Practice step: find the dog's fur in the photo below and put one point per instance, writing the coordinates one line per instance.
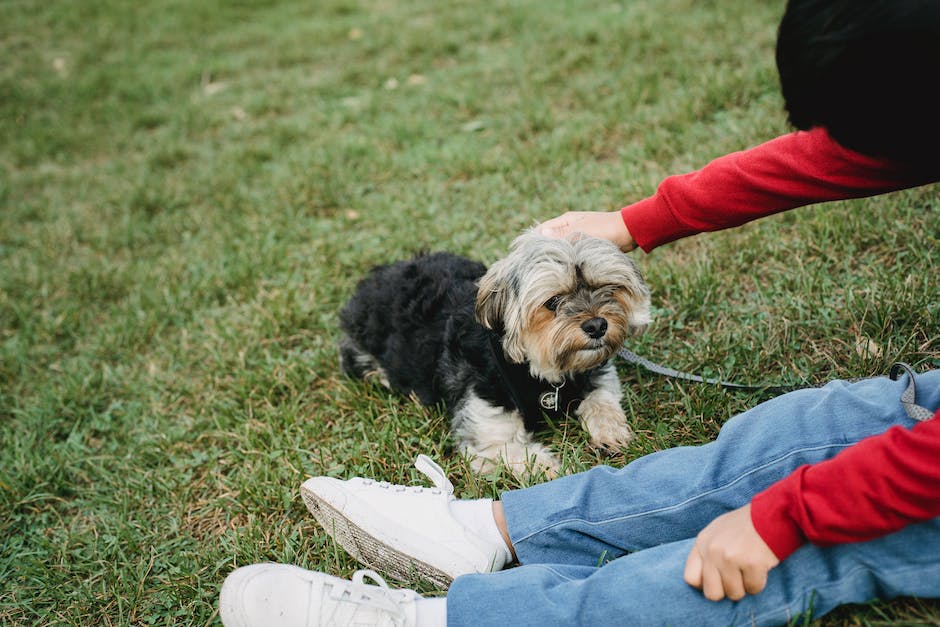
(489, 343)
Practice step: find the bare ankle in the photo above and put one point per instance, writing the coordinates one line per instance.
(500, 519)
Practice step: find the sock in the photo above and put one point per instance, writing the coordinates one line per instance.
(431, 612)
(477, 515)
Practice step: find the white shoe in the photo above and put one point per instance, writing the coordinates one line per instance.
(403, 531)
(268, 595)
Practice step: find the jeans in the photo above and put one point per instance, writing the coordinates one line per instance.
(608, 546)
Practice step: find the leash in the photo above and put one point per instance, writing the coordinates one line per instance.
(632, 358)
(908, 396)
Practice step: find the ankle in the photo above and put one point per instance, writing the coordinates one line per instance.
(499, 518)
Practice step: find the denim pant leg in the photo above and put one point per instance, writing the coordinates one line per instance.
(646, 587)
(671, 495)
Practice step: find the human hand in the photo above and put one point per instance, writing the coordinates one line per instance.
(604, 224)
(729, 558)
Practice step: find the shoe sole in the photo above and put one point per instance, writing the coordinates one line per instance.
(367, 549)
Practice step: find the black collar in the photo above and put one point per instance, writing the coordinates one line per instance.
(548, 401)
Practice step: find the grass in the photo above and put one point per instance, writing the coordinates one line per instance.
(189, 191)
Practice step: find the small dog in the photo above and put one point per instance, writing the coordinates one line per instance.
(503, 348)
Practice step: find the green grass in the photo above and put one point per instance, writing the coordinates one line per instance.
(190, 190)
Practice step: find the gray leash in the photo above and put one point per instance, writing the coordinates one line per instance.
(908, 397)
(632, 358)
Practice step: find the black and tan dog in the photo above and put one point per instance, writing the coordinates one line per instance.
(505, 347)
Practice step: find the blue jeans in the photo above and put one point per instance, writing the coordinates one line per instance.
(608, 546)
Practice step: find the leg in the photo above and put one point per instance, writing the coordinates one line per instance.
(643, 588)
(601, 514)
(646, 587)
(671, 495)
(358, 363)
(601, 414)
(488, 434)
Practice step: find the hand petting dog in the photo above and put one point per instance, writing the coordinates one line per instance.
(604, 224)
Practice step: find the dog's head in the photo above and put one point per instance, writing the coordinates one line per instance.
(562, 305)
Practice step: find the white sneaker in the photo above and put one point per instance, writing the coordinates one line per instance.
(403, 531)
(265, 595)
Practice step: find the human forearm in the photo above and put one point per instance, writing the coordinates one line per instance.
(871, 489)
(790, 171)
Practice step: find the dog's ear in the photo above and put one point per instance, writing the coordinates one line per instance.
(499, 288)
(497, 306)
(639, 314)
(638, 301)
(492, 297)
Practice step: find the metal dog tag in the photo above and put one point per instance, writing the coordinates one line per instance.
(549, 400)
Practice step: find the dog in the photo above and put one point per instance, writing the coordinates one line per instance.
(505, 348)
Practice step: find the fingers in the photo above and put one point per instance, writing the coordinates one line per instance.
(755, 580)
(714, 582)
(729, 558)
(603, 224)
(732, 582)
(556, 227)
(693, 568)
(729, 582)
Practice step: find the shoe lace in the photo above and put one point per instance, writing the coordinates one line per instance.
(377, 596)
(429, 469)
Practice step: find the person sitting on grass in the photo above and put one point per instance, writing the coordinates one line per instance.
(811, 500)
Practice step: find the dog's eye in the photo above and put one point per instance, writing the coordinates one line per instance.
(552, 303)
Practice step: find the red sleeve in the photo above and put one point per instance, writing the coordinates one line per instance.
(873, 488)
(793, 170)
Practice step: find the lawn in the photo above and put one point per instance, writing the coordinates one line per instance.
(189, 191)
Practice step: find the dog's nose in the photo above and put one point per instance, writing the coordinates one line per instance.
(595, 327)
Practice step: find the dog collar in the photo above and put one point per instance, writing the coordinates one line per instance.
(548, 400)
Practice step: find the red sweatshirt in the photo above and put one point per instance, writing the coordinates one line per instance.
(882, 483)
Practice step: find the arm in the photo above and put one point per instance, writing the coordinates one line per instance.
(793, 170)
(869, 490)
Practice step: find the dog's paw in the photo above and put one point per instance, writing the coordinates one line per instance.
(606, 424)
(521, 460)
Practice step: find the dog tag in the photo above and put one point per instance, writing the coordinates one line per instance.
(549, 400)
